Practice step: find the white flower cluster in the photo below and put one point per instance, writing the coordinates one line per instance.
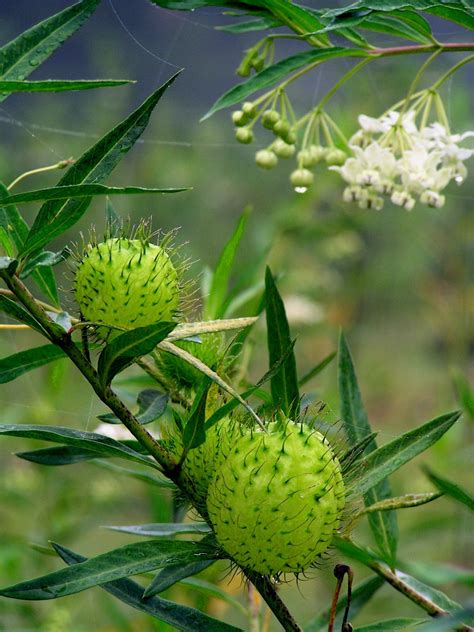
(394, 157)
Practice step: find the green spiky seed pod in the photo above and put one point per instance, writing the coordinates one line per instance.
(244, 135)
(282, 149)
(277, 499)
(127, 283)
(301, 178)
(210, 350)
(270, 118)
(266, 159)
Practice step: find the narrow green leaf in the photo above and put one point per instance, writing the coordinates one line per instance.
(350, 457)
(171, 575)
(123, 350)
(181, 617)
(113, 219)
(78, 191)
(16, 311)
(450, 488)
(145, 477)
(211, 590)
(361, 594)
(415, 20)
(465, 393)
(259, 24)
(276, 72)
(401, 502)
(449, 624)
(44, 259)
(57, 85)
(18, 229)
(284, 384)
(390, 457)
(162, 530)
(6, 243)
(464, 17)
(58, 455)
(390, 625)
(355, 551)
(151, 406)
(56, 216)
(90, 441)
(392, 26)
(434, 595)
(19, 363)
(194, 433)
(132, 559)
(318, 368)
(24, 54)
(439, 574)
(357, 427)
(215, 301)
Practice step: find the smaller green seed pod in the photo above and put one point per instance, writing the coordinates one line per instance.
(266, 159)
(270, 118)
(239, 118)
(282, 128)
(318, 153)
(305, 158)
(301, 178)
(249, 109)
(336, 157)
(282, 149)
(258, 63)
(244, 135)
(290, 137)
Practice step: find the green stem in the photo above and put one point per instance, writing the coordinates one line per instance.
(272, 599)
(62, 164)
(341, 82)
(416, 80)
(451, 71)
(62, 339)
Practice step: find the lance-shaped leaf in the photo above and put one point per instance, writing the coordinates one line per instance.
(17, 228)
(357, 427)
(58, 85)
(163, 530)
(56, 216)
(24, 54)
(391, 625)
(45, 259)
(361, 594)
(194, 434)
(132, 559)
(16, 311)
(180, 617)
(19, 363)
(58, 455)
(151, 406)
(188, 330)
(284, 384)
(400, 502)
(90, 441)
(317, 369)
(78, 191)
(276, 72)
(123, 350)
(171, 575)
(450, 488)
(215, 301)
(385, 460)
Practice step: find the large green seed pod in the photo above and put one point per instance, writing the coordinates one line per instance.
(277, 499)
(127, 283)
(210, 351)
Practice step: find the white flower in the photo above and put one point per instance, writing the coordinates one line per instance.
(432, 198)
(405, 121)
(419, 170)
(402, 198)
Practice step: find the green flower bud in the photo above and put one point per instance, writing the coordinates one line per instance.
(244, 135)
(266, 159)
(336, 157)
(318, 153)
(282, 149)
(270, 118)
(290, 137)
(239, 118)
(258, 63)
(305, 158)
(281, 128)
(249, 109)
(277, 499)
(301, 179)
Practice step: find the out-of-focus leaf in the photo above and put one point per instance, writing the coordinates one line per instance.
(171, 575)
(132, 559)
(357, 427)
(392, 26)
(211, 590)
(355, 551)
(391, 625)
(448, 624)
(65, 192)
(124, 349)
(19, 363)
(361, 594)
(318, 368)
(450, 488)
(284, 383)
(57, 85)
(278, 71)
(150, 479)
(390, 457)
(151, 406)
(440, 574)
(56, 216)
(58, 455)
(215, 301)
(465, 394)
(259, 24)
(162, 530)
(181, 617)
(24, 54)
(90, 441)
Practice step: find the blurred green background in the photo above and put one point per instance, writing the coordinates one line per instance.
(400, 284)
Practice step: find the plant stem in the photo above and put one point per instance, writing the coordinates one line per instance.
(62, 164)
(422, 48)
(341, 82)
(418, 598)
(270, 595)
(451, 71)
(62, 339)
